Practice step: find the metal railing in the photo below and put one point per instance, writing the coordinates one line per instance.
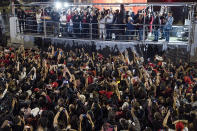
(103, 31)
(92, 31)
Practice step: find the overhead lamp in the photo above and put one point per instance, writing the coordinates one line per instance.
(58, 5)
(66, 4)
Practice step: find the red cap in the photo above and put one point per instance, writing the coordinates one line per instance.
(55, 84)
(36, 89)
(102, 92)
(52, 72)
(179, 126)
(109, 94)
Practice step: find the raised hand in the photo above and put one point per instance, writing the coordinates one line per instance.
(81, 118)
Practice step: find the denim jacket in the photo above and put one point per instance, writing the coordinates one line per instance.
(169, 22)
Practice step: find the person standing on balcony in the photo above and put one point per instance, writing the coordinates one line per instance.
(76, 23)
(56, 20)
(130, 28)
(2, 25)
(109, 20)
(39, 21)
(168, 26)
(85, 24)
(69, 23)
(21, 20)
(156, 25)
(93, 20)
(63, 21)
(162, 29)
(102, 30)
(139, 22)
(121, 20)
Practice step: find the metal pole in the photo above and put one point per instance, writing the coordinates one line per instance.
(45, 34)
(11, 7)
(91, 31)
(191, 14)
(190, 17)
(144, 27)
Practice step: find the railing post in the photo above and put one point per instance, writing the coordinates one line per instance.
(189, 36)
(45, 34)
(143, 34)
(45, 28)
(80, 28)
(191, 14)
(91, 31)
(144, 27)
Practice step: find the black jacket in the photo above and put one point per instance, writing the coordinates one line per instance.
(156, 23)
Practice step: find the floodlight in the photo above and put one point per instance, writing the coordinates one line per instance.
(66, 4)
(58, 5)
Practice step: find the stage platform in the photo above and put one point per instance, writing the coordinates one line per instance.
(100, 44)
(141, 48)
(173, 40)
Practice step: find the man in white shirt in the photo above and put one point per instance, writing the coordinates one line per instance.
(39, 21)
(63, 21)
(102, 29)
(109, 21)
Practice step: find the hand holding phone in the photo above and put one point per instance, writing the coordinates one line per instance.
(10, 122)
(91, 95)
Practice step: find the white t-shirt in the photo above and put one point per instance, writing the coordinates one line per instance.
(71, 22)
(38, 18)
(63, 19)
(185, 129)
(102, 23)
(110, 18)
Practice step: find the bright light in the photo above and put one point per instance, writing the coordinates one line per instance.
(66, 4)
(78, 9)
(58, 5)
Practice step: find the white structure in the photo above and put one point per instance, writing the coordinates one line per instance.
(14, 29)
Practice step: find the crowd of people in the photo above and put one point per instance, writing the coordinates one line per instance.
(75, 90)
(106, 24)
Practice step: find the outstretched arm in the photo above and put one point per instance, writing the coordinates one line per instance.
(166, 119)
